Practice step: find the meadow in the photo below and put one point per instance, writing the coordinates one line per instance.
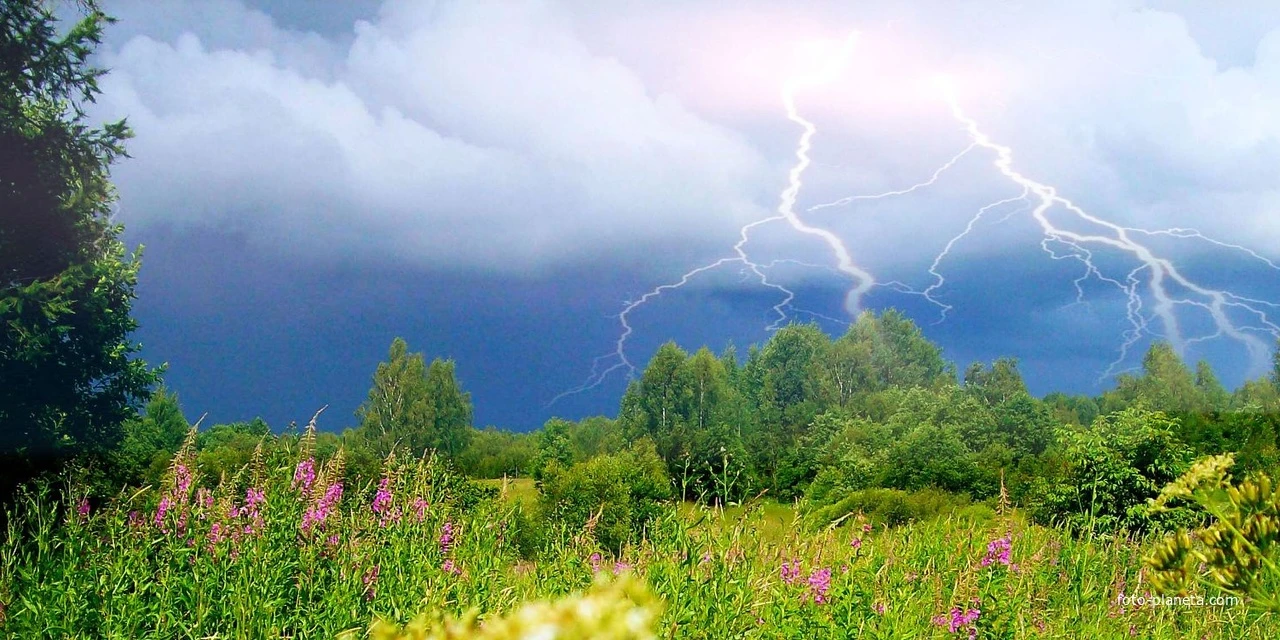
(284, 549)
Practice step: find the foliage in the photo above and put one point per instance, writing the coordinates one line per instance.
(613, 496)
(1113, 469)
(382, 554)
(1235, 553)
(415, 407)
(71, 381)
(612, 610)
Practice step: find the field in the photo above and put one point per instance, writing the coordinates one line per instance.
(290, 553)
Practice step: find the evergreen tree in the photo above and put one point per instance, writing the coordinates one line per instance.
(70, 378)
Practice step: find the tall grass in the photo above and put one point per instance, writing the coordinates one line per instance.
(267, 554)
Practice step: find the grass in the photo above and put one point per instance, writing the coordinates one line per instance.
(119, 571)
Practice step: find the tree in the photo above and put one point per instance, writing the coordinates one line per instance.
(71, 380)
(999, 383)
(1113, 468)
(451, 407)
(412, 407)
(151, 439)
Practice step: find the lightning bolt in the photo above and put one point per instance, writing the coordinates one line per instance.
(863, 280)
(939, 280)
(900, 192)
(1160, 272)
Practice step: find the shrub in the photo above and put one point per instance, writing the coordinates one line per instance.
(614, 496)
(1112, 469)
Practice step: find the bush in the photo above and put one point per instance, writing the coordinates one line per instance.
(614, 496)
(1113, 469)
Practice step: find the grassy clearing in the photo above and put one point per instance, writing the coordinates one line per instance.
(276, 557)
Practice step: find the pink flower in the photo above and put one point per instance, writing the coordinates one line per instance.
(382, 502)
(856, 543)
(819, 584)
(620, 567)
(450, 567)
(304, 474)
(960, 620)
(878, 608)
(446, 537)
(420, 507)
(866, 528)
(83, 509)
(182, 478)
(595, 562)
(998, 551)
(162, 510)
(790, 571)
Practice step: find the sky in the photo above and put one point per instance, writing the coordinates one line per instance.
(497, 182)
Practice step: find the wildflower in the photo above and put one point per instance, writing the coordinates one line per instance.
(316, 515)
(333, 540)
(181, 478)
(866, 528)
(215, 535)
(706, 557)
(204, 498)
(856, 543)
(382, 501)
(998, 551)
(960, 620)
(304, 474)
(878, 608)
(620, 567)
(134, 518)
(450, 567)
(790, 571)
(83, 509)
(446, 537)
(595, 562)
(420, 507)
(369, 579)
(819, 584)
(162, 509)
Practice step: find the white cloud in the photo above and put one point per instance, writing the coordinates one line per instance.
(523, 134)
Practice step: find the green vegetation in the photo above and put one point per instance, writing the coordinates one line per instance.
(818, 487)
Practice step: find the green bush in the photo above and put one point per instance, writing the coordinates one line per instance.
(612, 496)
(1113, 468)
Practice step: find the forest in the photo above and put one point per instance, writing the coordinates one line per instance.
(809, 486)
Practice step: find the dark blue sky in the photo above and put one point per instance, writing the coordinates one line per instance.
(493, 180)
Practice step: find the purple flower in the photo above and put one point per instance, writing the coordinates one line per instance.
(162, 509)
(998, 551)
(420, 507)
(182, 478)
(382, 501)
(866, 528)
(790, 571)
(83, 509)
(134, 518)
(595, 562)
(856, 543)
(819, 584)
(333, 540)
(304, 474)
(450, 567)
(959, 620)
(878, 608)
(446, 537)
(620, 567)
